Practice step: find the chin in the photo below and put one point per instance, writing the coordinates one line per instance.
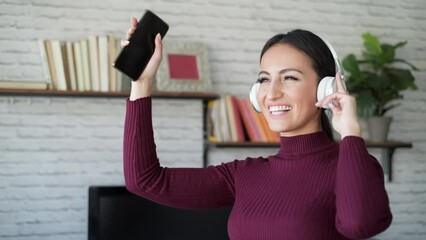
(278, 128)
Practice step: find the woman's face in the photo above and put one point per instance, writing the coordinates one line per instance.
(287, 92)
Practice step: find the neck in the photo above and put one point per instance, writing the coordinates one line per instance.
(304, 144)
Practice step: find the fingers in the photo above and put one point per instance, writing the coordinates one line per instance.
(133, 24)
(341, 87)
(332, 101)
(158, 52)
(124, 43)
(154, 63)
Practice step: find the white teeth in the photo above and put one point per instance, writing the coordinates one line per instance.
(279, 108)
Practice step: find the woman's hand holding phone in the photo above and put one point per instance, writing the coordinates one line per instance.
(142, 84)
(142, 87)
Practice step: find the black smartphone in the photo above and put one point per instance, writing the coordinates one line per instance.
(134, 57)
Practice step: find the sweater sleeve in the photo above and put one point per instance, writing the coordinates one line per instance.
(190, 188)
(362, 203)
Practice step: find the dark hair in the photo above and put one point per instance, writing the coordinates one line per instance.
(321, 56)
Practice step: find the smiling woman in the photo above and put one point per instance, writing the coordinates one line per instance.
(287, 92)
(313, 188)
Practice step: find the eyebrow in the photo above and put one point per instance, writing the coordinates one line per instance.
(282, 71)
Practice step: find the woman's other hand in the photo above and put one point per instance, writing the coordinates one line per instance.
(345, 118)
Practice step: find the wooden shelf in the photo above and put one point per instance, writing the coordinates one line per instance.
(184, 95)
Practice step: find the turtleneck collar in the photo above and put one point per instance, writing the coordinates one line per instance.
(304, 144)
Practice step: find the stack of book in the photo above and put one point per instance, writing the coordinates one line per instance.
(232, 119)
(83, 65)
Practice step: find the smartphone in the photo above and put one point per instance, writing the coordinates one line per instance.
(134, 57)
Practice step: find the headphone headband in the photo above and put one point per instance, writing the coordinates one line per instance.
(336, 58)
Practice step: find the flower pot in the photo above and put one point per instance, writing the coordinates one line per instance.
(378, 128)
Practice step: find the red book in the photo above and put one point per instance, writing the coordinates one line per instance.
(248, 125)
(238, 120)
(255, 123)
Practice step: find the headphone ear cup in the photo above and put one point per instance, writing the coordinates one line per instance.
(253, 97)
(326, 86)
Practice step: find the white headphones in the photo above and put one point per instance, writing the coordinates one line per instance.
(326, 86)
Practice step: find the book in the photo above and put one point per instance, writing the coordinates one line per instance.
(71, 66)
(112, 54)
(255, 130)
(211, 122)
(66, 67)
(23, 85)
(231, 117)
(238, 120)
(79, 66)
(86, 65)
(103, 63)
(225, 130)
(248, 121)
(44, 61)
(59, 65)
(254, 117)
(118, 74)
(93, 52)
(51, 63)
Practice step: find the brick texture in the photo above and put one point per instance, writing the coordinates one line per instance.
(52, 148)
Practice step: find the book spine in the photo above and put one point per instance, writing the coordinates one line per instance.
(238, 121)
(52, 70)
(79, 66)
(249, 121)
(103, 63)
(93, 53)
(71, 66)
(44, 61)
(86, 65)
(111, 58)
(59, 65)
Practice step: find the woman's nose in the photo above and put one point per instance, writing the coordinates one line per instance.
(274, 91)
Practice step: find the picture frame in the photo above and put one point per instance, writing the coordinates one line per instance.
(185, 68)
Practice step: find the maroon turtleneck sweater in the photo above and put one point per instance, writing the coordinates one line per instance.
(312, 188)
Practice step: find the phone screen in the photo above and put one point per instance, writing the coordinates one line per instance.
(134, 57)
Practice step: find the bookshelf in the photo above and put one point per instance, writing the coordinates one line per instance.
(181, 95)
(388, 148)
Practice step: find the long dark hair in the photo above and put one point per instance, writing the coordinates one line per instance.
(321, 56)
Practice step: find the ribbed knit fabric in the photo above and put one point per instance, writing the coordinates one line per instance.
(312, 188)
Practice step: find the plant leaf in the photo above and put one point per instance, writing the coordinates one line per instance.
(400, 44)
(409, 64)
(401, 79)
(372, 44)
(367, 105)
(387, 55)
(350, 64)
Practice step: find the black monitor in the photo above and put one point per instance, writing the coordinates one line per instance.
(117, 214)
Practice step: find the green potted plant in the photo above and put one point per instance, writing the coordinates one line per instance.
(377, 80)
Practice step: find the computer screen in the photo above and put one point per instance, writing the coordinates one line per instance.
(115, 213)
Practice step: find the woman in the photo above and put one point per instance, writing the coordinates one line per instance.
(313, 188)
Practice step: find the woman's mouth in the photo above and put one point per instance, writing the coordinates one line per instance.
(278, 110)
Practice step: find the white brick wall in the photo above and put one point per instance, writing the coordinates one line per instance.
(52, 148)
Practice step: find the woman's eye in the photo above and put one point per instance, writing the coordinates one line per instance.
(290, 78)
(262, 80)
